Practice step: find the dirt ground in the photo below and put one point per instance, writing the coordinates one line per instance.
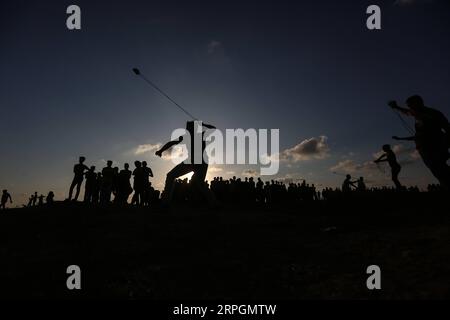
(309, 251)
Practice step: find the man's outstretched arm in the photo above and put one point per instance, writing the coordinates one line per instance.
(380, 159)
(168, 145)
(395, 106)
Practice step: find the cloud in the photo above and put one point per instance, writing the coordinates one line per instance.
(214, 169)
(144, 148)
(312, 148)
(350, 166)
(176, 154)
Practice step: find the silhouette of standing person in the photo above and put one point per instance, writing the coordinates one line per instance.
(391, 159)
(194, 163)
(5, 197)
(107, 183)
(146, 174)
(34, 199)
(30, 201)
(124, 187)
(138, 184)
(90, 185)
(432, 136)
(98, 188)
(41, 200)
(115, 184)
(50, 198)
(78, 170)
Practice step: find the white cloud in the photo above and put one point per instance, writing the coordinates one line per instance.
(144, 148)
(214, 169)
(312, 148)
(350, 166)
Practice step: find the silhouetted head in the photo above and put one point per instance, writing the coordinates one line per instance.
(386, 147)
(82, 159)
(109, 163)
(126, 166)
(116, 169)
(361, 178)
(137, 164)
(144, 163)
(5, 191)
(92, 168)
(348, 177)
(415, 102)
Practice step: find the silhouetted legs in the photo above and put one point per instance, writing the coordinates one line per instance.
(437, 163)
(105, 193)
(77, 181)
(197, 181)
(395, 172)
(178, 171)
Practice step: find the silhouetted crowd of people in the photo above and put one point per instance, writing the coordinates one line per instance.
(100, 187)
(248, 191)
(36, 200)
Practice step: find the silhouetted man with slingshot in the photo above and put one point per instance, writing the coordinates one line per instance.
(391, 159)
(432, 136)
(196, 162)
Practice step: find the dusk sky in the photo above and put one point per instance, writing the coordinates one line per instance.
(309, 68)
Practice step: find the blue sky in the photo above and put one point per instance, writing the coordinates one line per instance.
(309, 68)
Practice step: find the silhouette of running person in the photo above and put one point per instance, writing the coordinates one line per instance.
(5, 197)
(348, 184)
(195, 162)
(432, 136)
(78, 169)
(107, 183)
(391, 159)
